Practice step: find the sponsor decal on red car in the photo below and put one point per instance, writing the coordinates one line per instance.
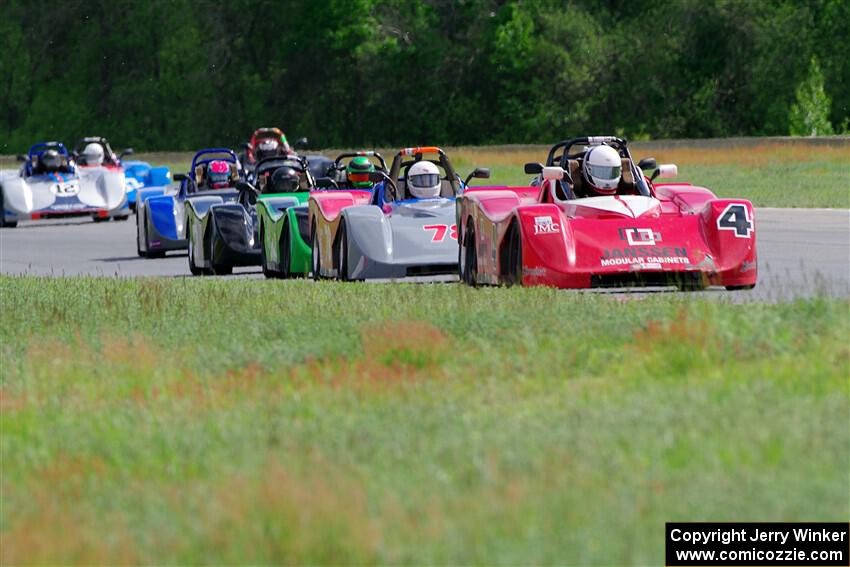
(545, 225)
(649, 255)
(640, 236)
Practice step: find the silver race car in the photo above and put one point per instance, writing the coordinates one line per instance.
(49, 184)
(406, 227)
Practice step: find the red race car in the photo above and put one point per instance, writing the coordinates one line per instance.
(267, 142)
(592, 219)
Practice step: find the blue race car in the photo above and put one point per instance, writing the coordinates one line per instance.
(141, 175)
(161, 216)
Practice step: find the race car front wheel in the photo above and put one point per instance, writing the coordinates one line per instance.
(469, 262)
(342, 252)
(285, 254)
(139, 250)
(315, 257)
(740, 287)
(148, 252)
(193, 267)
(3, 221)
(267, 272)
(512, 269)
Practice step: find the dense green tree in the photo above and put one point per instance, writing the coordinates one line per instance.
(810, 113)
(180, 74)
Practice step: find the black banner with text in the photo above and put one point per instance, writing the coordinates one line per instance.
(753, 543)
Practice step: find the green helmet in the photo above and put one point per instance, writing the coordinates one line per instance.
(358, 170)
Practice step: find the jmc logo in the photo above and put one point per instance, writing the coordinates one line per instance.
(545, 225)
(640, 236)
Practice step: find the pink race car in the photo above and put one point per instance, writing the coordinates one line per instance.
(592, 219)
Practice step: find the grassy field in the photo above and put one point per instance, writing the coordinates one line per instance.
(218, 421)
(794, 172)
(772, 174)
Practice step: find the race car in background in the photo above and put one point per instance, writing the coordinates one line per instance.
(49, 184)
(137, 174)
(161, 218)
(555, 234)
(393, 233)
(267, 142)
(284, 230)
(224, 234)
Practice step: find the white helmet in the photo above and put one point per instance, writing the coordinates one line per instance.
(267, 148)
(423, 180)
(602, 169)
(93, 154)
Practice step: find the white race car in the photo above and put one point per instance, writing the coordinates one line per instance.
(49, 184)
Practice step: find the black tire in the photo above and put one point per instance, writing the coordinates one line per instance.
(342, 252)
(193, 267)
(315, 255)
(121, 218)
(513, 272)
(151, 254)
(139, 250)
(222, 269)
(3, 222)
(96, 218)
(691, 282)
(218, 269)
(267, 272)
(740, 287)
(469, 266)
(285, 252)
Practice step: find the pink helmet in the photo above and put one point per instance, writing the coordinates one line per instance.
(218, 173)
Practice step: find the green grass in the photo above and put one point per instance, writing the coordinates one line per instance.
(793, 172)
(189, 420)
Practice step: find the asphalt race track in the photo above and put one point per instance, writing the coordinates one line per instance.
(801, 252)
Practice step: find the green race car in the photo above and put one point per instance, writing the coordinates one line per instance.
(284, 228)
(224, 235)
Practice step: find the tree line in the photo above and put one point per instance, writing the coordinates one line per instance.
(182, 74)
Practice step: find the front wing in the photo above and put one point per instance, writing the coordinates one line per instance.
(717, 246)
(384, 246)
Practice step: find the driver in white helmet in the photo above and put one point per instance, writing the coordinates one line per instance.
(601, 170)
(423, 180)
(93, 154)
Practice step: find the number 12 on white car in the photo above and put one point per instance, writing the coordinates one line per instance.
(71, 188)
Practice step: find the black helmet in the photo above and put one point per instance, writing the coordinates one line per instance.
(283, 180)
(51, 160)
